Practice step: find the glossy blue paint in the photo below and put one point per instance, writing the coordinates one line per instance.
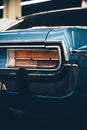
(80, 38)
(3, 58)
(73, 37)
(31, 35)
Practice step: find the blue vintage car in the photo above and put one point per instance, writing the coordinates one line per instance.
(44, 66)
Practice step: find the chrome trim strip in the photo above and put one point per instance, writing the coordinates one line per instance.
(65, 51)
(17, 46)
(78, 52)
(34, 74)
(20, 41)
(74, 65)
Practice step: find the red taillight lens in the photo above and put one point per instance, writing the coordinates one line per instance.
(33, 58)
(36, 63)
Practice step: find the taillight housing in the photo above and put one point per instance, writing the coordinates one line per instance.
(34, 58)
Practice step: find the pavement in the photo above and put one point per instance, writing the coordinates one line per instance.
(60, 121)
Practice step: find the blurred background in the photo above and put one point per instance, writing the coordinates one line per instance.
(33, 6)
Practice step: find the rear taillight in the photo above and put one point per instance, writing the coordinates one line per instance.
(47, 58)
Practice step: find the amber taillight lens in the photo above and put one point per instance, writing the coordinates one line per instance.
(33, 58)
(42, 54)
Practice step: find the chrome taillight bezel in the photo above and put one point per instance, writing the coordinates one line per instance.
(35, 47)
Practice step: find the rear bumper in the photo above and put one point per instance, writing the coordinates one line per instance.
(59, 85)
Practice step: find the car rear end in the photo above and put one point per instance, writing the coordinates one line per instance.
(35, 67)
